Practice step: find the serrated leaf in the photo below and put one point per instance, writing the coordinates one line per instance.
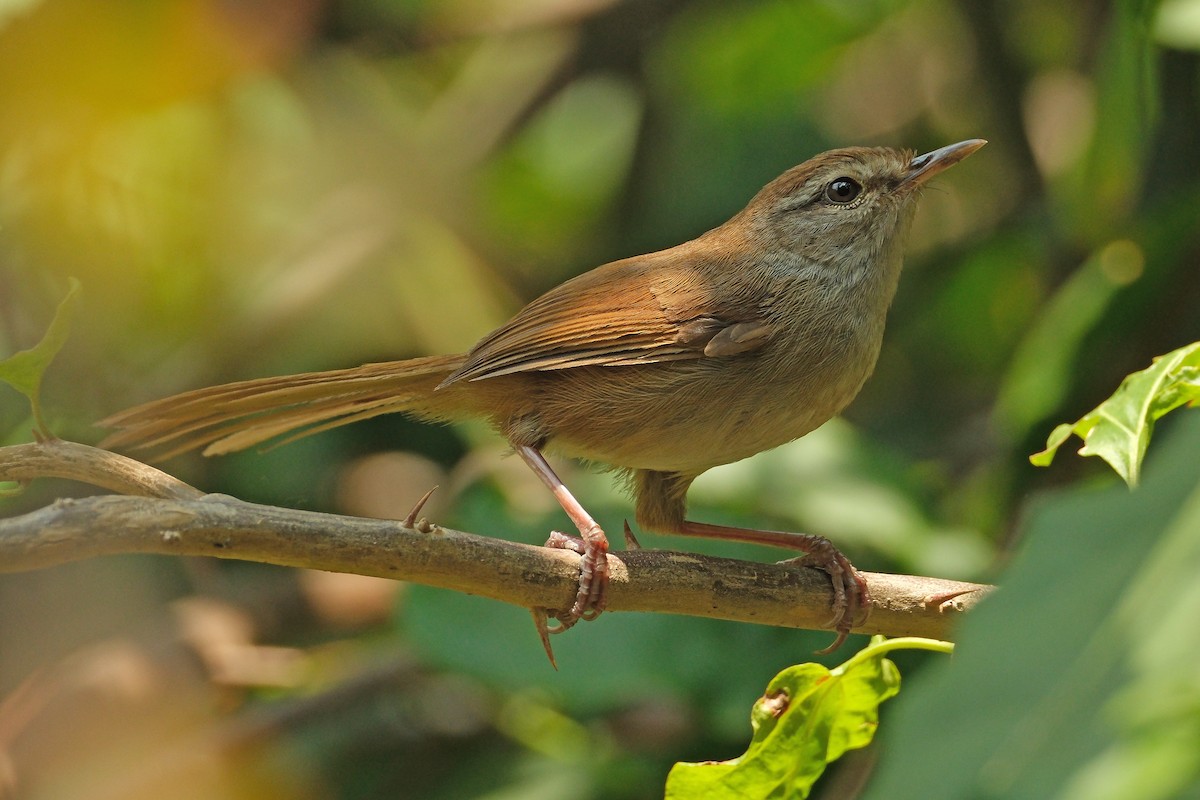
(1119, 429)
(808, 717)
(24, 369)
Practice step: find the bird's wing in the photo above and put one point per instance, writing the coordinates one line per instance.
(636, 311)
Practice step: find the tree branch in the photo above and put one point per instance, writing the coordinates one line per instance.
(171, 518)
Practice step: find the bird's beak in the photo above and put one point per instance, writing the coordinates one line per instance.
(924, 167)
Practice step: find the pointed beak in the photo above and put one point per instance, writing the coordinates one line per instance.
(924, 167)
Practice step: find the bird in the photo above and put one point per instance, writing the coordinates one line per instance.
(660, 366)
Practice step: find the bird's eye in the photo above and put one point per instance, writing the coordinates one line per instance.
(843, 190)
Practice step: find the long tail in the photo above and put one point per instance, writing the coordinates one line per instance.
(234, 416)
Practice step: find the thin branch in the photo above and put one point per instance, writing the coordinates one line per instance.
(55, 458)
(172, 518)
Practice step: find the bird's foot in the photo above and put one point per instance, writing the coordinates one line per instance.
(590, 597)
(851, 596)
(593, 576)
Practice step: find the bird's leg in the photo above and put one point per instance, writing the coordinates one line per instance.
(851, 598)
(592, 544)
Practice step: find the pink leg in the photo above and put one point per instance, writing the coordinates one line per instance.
(592, 544)
(851, 597)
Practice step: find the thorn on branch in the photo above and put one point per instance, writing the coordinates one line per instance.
(941, 601)
(423, 525)
(631, 542)
(540, 621)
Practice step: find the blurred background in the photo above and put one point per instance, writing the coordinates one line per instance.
(249, 189)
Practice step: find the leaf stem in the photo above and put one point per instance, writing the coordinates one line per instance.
(880, 645)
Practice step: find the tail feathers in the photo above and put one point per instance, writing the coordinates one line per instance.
(235, 416)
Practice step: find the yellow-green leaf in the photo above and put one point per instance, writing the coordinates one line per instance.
(1118, 430)
(23, 370)
(808, 717)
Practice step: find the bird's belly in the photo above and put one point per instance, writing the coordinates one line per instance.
(689, 416)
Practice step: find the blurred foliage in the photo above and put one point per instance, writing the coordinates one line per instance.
(25, 369)
(286, 185)
(1088, 663)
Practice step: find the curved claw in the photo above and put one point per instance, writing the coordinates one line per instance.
(824, 651)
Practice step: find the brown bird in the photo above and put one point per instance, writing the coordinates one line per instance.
(662, 365)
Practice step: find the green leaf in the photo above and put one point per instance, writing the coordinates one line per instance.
(808, 717)
(1118, 430)
(23, 370)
